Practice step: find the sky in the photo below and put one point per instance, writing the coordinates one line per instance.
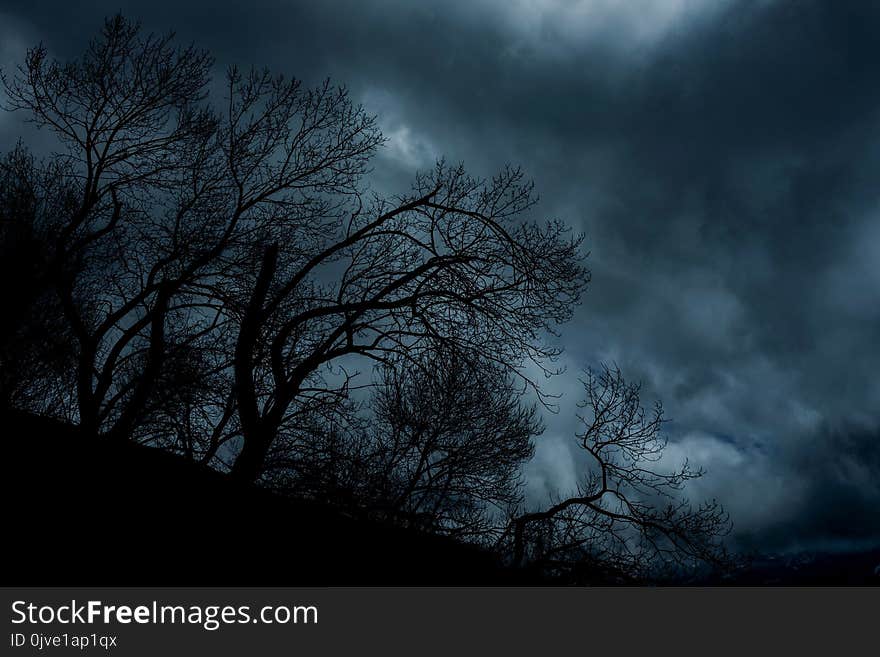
(721, 158)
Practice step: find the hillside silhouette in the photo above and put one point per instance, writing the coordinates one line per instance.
(97, 513)
(91, 512)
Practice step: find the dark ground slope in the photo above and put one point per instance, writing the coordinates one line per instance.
(77, 512)
(86, 513)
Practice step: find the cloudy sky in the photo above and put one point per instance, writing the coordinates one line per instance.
(722, 159)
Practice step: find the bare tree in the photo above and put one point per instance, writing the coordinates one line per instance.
(441, 446)
(172, 196)
(239, 245)
(627, 516)
(126, 119)
(451, 438)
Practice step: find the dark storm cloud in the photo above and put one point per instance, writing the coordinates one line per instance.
(722, 160)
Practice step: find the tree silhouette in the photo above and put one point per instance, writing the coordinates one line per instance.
(206, 274)
(627, 516)
(440, 445)
(195, 220)
(450, 438)
(126, 117)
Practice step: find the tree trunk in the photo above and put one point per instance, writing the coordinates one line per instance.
(257, 433)
(86, 402)
(250, 461)
(127, 422)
